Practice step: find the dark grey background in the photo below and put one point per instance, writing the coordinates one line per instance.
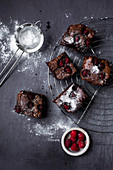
(18, 149)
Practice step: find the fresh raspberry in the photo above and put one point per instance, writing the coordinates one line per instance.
(77, 38)
(74, 147)
(73, 140)
(101, 66)
(73, 134)
(30, 104)
(72, 94)
(67, 60)
(68, 143)
(66, 106)
(88, 43)
(81, 136)
(68, 70)
(61, 63)
(86, 32)
(81, 144)
(102, 76)
(18, 110)
(85, 73)
(30, 96)
(95, 61)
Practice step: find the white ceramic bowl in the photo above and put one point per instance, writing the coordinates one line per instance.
(82, 150)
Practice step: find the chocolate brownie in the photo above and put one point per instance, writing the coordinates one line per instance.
(31, 104)
(78, 37)
(95, 70)
(62, 67)
(72, 98)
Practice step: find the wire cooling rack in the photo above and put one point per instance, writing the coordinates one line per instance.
(98, 114)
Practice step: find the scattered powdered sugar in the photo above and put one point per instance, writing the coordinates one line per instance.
(48, 131)
(7, 42)
(51, 131)
(31, 62)
(68, 14)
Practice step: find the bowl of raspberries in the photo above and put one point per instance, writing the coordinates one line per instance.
(75, 141)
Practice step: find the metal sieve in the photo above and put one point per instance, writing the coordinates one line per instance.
(29, 39)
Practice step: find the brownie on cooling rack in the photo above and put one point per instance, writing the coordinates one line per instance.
(78, 37)
(31, 104)
(72, 98)
(62, 67)
(96, 71)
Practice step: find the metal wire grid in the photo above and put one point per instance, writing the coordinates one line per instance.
(99, 116)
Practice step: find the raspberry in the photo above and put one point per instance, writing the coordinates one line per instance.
(68, 143)
(67, 60)
(102, 76)
(101, 66)
(86, 32)
(85, 73)
(30, 104)
(81, 136)
(73, 134)
(18, 110)
(30, 97)
(73, 140)
(68, 70)
(72, 94)
(61, 63)
(77, 38)
(74, 147)
(66, 106)
(95, 61)
(81, 144)
(88, 43)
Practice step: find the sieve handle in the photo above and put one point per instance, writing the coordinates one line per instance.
(7, 74)
(8, 63)
(38, 23)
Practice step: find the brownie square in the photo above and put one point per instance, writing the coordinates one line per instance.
(62, 67)
(78, 37)
(95, 71)
(31, 104)
(72, 98)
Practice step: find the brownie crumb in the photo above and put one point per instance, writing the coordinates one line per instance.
(48, 25)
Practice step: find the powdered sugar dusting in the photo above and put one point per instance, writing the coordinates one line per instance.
(95, 69)
(68, 15)
(7, 42)
(50, 131)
